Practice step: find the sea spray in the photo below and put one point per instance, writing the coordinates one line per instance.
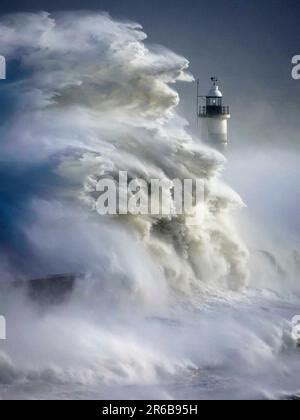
(89, 99)
(114, 110)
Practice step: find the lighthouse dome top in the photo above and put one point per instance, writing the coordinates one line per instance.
(215, 92)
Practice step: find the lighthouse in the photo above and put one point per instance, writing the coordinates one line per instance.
(214, 117)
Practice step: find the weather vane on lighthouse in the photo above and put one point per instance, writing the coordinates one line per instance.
(214, 116)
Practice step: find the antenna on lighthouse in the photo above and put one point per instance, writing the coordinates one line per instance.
(198, 110)
(215, 80)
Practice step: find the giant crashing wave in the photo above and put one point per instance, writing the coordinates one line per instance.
(88, 98)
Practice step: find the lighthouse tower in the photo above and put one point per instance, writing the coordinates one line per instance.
(214, 116)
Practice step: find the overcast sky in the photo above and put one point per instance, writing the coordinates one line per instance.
(248, 44)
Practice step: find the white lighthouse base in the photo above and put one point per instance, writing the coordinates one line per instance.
(214, 132)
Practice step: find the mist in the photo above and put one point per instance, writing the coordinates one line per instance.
(162, 307)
